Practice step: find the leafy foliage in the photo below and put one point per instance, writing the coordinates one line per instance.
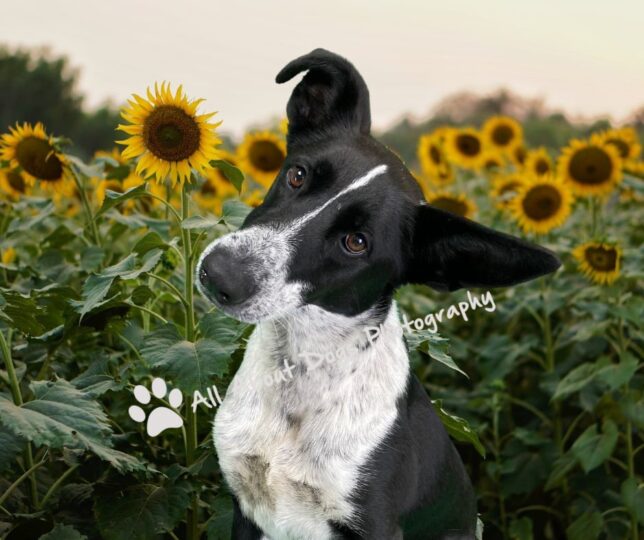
(543, 396)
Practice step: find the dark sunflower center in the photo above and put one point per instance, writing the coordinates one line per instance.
(451, 205)
(591, 165)
(435, 155)
(468, 145)
(604, 260)
(208, 188)
(37, 158)
(266, 156)
(542, 202)
(622, 146)
(171, 134)
(520, 155)
(542, 166)
(492, 163)
(508, 188)
(502, 135)
(16, 181)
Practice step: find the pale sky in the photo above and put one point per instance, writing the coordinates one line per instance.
(584, 56)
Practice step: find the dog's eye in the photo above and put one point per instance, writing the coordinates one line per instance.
(355, 243)
(295, 176)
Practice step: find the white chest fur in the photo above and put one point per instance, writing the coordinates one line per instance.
(292, 450)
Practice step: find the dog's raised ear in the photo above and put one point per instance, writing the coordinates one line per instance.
(332, 93)
(451, 252)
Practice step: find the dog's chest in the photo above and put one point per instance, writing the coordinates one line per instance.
(291, 450)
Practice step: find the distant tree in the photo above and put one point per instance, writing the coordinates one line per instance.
(36, 86)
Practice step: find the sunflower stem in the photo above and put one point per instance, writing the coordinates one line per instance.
(17, 399)
(87, 208)
(593, 213)
(550, 368)
(191, 417)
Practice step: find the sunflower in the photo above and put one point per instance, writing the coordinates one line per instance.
(216, 187)
(518, 155)
(34, 152)
(443, 175)
(635, 167)
(505, 187)
(493, 161)
(464, 147)
(115, 154)
(119, 186)
(167, 134)
(261, 155)
(541, 204)
(457, 204)
(431, 156)
(538, 162)
(14, 183)
(7, 256)
(625, 140)
(283, 126)
(590, 167)
(502, 132)
(599, 261)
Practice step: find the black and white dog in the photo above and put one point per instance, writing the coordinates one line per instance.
(344, 449)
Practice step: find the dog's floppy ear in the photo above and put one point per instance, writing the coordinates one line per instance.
(451, 252)
(332, 93)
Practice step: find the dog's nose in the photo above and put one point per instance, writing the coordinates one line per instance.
(225, 277)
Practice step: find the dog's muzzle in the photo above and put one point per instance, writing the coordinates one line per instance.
(225, 277)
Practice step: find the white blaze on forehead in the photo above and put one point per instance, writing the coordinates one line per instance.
(356, 184)
(268, 249)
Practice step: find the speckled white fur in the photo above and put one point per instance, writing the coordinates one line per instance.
(292, 452)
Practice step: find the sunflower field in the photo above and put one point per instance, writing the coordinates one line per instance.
(544, 396)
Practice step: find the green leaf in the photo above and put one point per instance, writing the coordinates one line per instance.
(151, 240)
(578, 378)
(142, 511)
(632, 407)
(21, 312)
(11, 446)
(114, 198)
(521, 529)
(63, 532)
(221, 522)
(200, 222)
(435, 347)
(218, 326)
(588, 526)
(615, 375)
(561, 468)
(91, 258)
(31, 222)
(458, 427)
(231, 172)
(633, 497)
(190, 366)
(235, 212)
(61, 415)
(97, 285)
(593, 448)
(86, 171)
(96, 379)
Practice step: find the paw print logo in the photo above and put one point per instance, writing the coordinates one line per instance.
(161, 418)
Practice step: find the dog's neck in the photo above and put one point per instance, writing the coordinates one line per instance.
(314, 339)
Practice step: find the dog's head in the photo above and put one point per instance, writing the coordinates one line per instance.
(344, 223)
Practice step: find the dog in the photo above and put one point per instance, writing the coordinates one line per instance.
(352, 448)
